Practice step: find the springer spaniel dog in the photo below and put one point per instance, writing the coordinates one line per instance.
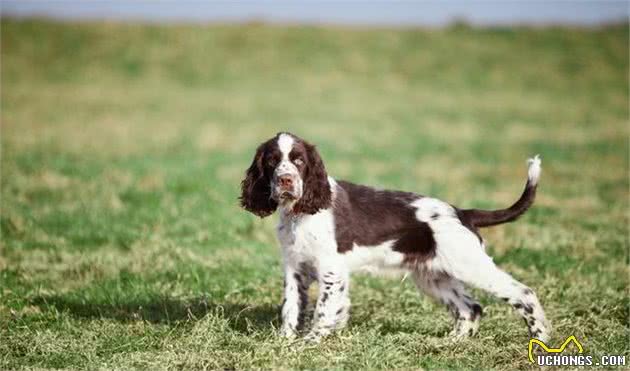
(329, 228)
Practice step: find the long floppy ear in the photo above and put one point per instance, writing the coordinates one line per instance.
(317, 193)
(256, 188)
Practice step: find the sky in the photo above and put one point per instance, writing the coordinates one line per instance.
(374, 12)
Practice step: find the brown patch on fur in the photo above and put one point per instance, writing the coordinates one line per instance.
(256, 187)
(316, 192)
(369, 217)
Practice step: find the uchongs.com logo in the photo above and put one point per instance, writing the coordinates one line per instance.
(555, 357)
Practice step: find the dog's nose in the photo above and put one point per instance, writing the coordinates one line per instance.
(285, 181)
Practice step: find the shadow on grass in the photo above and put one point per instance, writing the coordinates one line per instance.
(393, 328)
(243, 318)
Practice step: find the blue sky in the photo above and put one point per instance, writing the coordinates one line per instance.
(375, 12)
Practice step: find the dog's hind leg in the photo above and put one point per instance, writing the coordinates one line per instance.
(450, 292)
(477, 269)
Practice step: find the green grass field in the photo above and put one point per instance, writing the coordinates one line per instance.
(123, 147)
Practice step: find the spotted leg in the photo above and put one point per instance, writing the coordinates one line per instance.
(487, 276)
(333, 305)
(450, 292)
(296, 284)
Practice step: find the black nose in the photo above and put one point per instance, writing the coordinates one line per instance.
(285, 180)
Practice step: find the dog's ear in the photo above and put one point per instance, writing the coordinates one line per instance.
(256, 187)
(316, 192)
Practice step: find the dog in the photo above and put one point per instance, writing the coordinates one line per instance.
(329, 228)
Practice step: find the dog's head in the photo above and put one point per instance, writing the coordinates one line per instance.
(288, 172)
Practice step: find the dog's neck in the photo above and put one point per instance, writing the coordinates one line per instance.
(286, 211)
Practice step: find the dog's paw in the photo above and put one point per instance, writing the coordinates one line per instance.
(464, 330)
(287, 333)
(313, 338)
(456, 338)
(542, 335)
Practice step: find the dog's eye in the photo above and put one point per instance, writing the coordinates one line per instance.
(298, 162)
(271, 162)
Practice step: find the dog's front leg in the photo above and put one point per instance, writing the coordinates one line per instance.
(295, 301)
(333, 304)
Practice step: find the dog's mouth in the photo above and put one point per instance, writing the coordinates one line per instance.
(286, 195)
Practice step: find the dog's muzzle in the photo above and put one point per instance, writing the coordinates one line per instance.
(285, 187)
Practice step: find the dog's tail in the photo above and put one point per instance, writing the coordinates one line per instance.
(487, 218)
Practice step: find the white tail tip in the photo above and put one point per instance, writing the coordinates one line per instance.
(533, 172)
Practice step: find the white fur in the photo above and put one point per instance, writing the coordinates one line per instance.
(455, 243)
(426, 207)
(286, 167)
(285, 143)
(374, 259)
(533, 171)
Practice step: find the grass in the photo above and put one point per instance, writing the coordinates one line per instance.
(123, 147)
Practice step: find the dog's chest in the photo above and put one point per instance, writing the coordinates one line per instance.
(307, 238)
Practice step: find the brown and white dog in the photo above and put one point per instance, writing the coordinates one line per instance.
(329, 228)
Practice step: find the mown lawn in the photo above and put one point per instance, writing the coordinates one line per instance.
(123, 147)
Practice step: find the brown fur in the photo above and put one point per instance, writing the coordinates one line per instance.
(487, 218)
(256, 187)
(317, 194)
